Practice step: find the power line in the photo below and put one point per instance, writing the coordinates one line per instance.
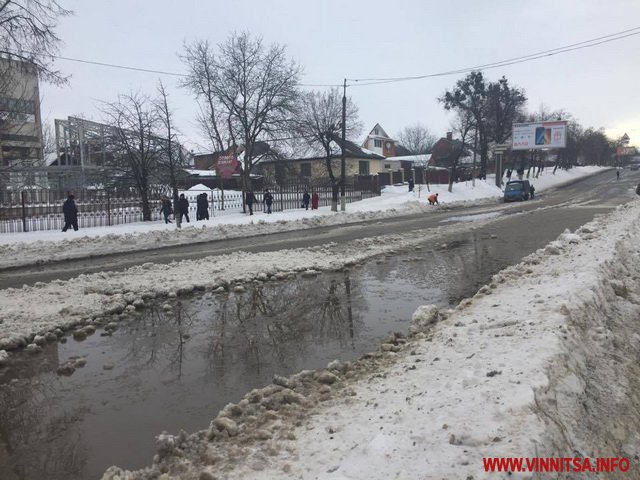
(160, 72)
(511, 61)
(378, 81)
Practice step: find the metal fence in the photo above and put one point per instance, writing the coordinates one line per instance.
(31, 210)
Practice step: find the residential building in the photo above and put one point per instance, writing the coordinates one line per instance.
(358, 161)
(21, 146)
(380, 143)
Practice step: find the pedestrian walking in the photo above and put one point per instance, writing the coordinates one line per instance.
(433, 199)
(165, 208)
(532, 190)
(70, 211)
(618, 174)
(267, 199)
(315, 201)
(306, 198)
(411, 184)
(249, 199)
(184, 208)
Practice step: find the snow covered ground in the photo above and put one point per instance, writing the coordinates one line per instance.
(541, 362)
(29, 248)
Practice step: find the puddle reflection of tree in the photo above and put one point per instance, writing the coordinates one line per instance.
(280, 322)
(36, 439)
(158, 336)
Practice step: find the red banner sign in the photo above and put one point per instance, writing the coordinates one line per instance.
(227, 165)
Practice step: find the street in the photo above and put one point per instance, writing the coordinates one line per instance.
(565, 207)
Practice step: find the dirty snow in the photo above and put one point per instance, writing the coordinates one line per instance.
(541, 362)
(30, 248)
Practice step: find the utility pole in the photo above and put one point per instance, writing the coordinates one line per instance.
(343, 200)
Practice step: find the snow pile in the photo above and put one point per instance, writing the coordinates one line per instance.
(541, 362)
(30, 248)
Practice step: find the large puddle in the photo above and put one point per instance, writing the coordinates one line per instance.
(171, 371)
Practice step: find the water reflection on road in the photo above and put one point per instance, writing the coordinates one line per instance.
(172, 370)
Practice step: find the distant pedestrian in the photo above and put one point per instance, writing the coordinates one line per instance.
(199, 207)
(509, 173)
(202, 207)
(70, 211)
(183, 203)
(249, 199)
(165, 208)
(306, 198)
(267, 199)
(618, 174)
(205, 206)
(411, 184)
(315, 201)
(433, 199)
(532, 191)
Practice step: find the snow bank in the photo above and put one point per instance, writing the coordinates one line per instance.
(541, 362)
(19, 249)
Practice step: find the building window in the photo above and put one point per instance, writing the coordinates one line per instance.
(378, 143)
(387, 166)
(305, 169)
(363, 167)
(375, 131)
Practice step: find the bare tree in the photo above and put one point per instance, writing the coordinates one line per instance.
(134, 121)
(319, 123)
(27, 34)
(464, 129)
(247, 91)
(417, 139)
(172, 160)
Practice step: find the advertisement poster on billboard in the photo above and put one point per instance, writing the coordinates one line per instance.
(226, 165)
(539, 135)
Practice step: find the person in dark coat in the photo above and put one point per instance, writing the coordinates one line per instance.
(183, 203)
(70, 214)
(411, 184)
(268, 200)
(249, 199)
(204, 210)
(531, 191)
(315, 200)
(199, 207)
(165, 208)
(306, 198)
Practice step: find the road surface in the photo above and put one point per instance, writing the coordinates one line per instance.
(564, 207)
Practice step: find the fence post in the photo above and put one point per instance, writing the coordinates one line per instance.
(108, 209)
(281, 200)
(24, 211)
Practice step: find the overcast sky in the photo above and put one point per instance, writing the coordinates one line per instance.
(366, 39)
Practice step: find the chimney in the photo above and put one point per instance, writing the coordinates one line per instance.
(449, 136)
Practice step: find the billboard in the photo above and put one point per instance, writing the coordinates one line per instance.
(226, 165)
(539, 135)
(625, 151)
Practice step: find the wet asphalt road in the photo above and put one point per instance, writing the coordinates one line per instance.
(577, 202)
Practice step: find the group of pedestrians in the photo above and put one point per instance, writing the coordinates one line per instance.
(182, 208)
(314, 198)
(267, 198)
(250, 200)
